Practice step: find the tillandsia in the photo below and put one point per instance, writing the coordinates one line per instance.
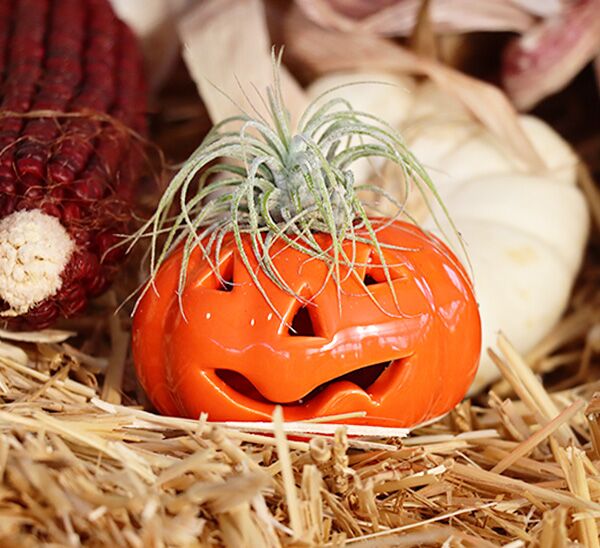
(255, 176)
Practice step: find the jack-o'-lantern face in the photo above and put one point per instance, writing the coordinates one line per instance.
(222, 349)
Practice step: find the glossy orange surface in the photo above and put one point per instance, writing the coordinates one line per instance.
(229, 354)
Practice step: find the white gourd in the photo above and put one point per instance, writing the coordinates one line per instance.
(525, 233)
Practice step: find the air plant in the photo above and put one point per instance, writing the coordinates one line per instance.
(257, 177)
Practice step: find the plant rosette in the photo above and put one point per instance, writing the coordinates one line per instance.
(270, 285)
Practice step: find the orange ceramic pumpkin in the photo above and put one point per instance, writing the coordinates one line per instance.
(222, 349)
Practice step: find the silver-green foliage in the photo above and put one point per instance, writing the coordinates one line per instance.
(254, 177)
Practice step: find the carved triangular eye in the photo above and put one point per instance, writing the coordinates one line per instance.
(375, 274)
(225, 285)
(226, 276)
(369, 280)
(302, 325)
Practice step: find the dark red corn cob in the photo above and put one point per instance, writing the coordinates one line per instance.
(68, 57)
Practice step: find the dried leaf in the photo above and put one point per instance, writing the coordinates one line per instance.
(548, 56)
(398, 17)
(44, 336)
(228, 53)
(324, 52)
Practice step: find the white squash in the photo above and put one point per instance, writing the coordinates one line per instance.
(524, 232)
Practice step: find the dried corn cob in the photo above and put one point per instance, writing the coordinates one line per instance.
(71, 91)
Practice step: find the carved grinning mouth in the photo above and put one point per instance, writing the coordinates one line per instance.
(364, 378)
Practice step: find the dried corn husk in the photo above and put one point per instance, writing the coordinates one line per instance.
(324, 52)
(230, 61)
(556, 39)
(398, 17)
(153, 21)
(550, 54)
